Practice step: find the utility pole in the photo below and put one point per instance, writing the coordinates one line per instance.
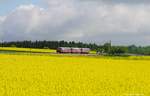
(110, 42)
(2, 43)
(30, 47)
(109, 47)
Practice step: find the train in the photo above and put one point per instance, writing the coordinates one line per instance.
(73, 50)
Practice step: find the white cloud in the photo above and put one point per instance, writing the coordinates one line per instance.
(79, 20)
(2, 18)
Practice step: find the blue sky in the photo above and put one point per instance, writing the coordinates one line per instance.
(124, 22)
(6, 6)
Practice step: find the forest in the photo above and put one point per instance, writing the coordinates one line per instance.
(106, 48)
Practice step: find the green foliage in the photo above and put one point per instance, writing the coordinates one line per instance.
(48, 44)
(13, 45)
(107, 47)
(139, 50)
(118, 50)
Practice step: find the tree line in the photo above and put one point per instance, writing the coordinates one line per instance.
(106, 48)
(48, 44)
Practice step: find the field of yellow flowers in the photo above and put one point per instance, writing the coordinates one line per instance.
(47, 75)
(33, 50)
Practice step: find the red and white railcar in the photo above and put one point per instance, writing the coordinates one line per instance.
(64, 50)
(85, 50)
(76, 50)
(73, 50)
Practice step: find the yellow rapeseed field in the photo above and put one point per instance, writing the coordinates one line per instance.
(26, 49)
(33, 75)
